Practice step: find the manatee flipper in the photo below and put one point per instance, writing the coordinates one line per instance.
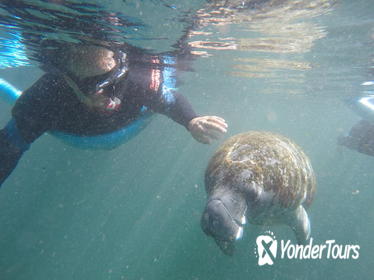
(299, 222)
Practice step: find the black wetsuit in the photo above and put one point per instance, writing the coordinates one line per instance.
(51, 104)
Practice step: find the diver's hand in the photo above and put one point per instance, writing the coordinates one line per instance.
(208, 128)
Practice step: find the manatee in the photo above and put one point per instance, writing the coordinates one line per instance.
(260, 177)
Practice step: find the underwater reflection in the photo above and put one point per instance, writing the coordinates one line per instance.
(271, 27)
(264, 68)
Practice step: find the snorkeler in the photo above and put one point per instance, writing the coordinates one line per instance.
(91, 92)
(360, 138)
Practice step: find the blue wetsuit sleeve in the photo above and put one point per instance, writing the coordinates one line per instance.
(12, 146)
(174, 105)
(155, 87)
(180, 110)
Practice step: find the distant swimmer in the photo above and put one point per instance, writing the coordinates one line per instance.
(95, 96)
(361, 136)
(260, 177)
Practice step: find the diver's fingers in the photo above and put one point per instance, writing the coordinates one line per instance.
(212, 134)
(201, 134)
(207, 128)
(201, 127)
(217, 120)
(214, 126)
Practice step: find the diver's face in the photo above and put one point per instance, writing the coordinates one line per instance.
(88, 61)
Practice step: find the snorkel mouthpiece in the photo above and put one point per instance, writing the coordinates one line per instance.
(114, 104)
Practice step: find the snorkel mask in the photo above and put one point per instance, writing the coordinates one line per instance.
(97, 96)
(112, 101)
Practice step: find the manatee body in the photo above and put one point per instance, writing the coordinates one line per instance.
(261, 177)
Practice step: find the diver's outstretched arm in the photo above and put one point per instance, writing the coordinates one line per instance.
(204, 129)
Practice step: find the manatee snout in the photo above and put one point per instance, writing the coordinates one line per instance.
(219, 222)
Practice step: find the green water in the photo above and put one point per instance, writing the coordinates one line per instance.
(134, 212)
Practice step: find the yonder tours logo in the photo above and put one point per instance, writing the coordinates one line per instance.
(268, 249)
